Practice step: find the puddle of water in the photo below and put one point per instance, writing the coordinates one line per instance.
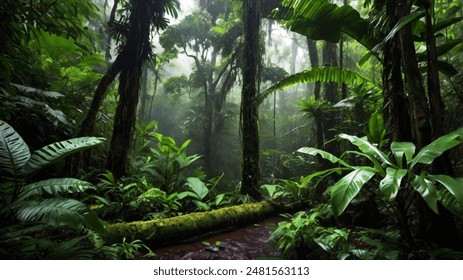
(247, 243)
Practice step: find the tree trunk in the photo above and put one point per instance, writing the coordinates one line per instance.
(314, 63)
(331, 95)
(189, 225)
(249, 105)
(88, 124)
(442, 229)
(135, 52)
(81, 161)
(144, 95)
(155, 89)
(439, 229)
(112, 18)
(395, 108)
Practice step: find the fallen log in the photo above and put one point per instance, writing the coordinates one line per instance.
(181, 227)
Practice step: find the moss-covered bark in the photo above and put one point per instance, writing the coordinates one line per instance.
(189, 225)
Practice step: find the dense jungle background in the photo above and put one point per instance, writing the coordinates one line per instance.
(129, 124)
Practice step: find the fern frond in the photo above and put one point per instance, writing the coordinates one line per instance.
(54, 212)
(55, 186)
(14, 153)
(57, 151)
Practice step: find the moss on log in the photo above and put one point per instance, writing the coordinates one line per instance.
(189, 225)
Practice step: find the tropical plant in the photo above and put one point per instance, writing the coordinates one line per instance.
(131, 250)
(38, 205)
(167, 166)
(305, 233)
(288, 191)
(402, 174)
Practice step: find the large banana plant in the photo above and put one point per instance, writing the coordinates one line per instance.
(25, 199)
(401, 168)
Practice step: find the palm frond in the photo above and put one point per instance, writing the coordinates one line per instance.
(324, 75)
(57, 151)
(14, 153)
(55, 186)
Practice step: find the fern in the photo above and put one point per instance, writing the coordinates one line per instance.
(57, 151)
(55, 186)
(14, 153)
(54, 212)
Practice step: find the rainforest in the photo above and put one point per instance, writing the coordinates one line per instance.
(231, 129)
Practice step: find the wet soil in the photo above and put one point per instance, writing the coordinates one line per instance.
(246, 243)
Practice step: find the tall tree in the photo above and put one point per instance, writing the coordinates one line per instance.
(135, 30)
(214, 47)
(401, 51)
(249, 104)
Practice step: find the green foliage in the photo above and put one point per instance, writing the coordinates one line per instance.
(31, 209)
(288, 191)
(136, 198)
(309, 17)
(131, 250)
(17, 160)
(168, 165)
(39, 242)
(405, 171)
(376, 132)
(25, 200)
(325, 75)
(304, 234)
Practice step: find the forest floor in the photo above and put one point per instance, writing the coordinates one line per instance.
(246, 243)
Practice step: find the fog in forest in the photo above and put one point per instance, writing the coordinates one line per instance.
(340, 120)
(283, 127)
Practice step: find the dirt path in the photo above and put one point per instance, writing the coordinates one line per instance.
(247, 243)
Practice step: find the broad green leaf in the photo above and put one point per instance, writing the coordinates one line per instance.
(399, 149)
(447, 69)
(55, 186)
(366, 147)
(184, 146)
(391, 183)
(444, 23)
(441, 49)
(348, 187)
(201, 205)
(427, 154)
(323, 154)
(271, 189)
(376, 164)
(197, 186)
(14, 153)
(449, 201)
(57, 151)
(311, 16)
(453, 185)
(376, 130)
(91, 220)
(427, 190)
(323, 173)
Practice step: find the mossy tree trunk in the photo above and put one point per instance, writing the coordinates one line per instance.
(249, 104)
(135, 52)
(159, 231)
